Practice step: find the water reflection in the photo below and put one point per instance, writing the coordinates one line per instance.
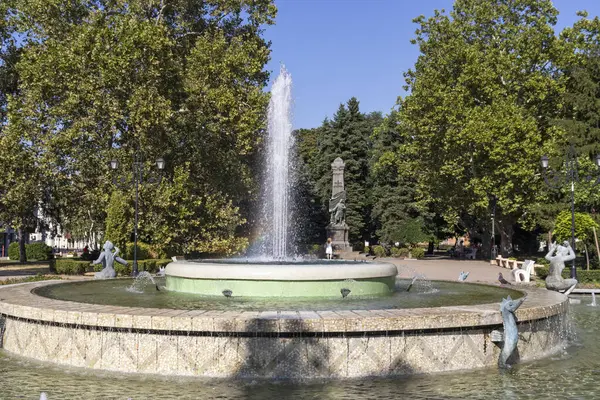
(118, 292)
(574, 374)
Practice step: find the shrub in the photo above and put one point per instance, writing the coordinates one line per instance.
(542, 261)
(38, 251)
(66, 266)
(403, 252)
(583, 276)
(143, 251)
(13, 251)
(395, 252)
(367, 250)
(33, 251)
(358, 246)
(315, 250)
(150, 265)
(418, 252)
(379, 251)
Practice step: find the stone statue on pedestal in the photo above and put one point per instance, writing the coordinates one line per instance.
(337, 230)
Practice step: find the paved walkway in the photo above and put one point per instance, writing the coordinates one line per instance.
(448, 269)
(434, 268)
(17, 271)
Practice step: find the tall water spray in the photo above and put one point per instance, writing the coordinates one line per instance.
(279, 142)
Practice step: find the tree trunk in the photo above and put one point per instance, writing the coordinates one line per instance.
(506, 236)
(486, 246)
(22, 239)
(597, 248)
(430, 248)
(587, 257)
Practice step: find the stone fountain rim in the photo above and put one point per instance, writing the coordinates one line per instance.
(274, 271)
(19, 302)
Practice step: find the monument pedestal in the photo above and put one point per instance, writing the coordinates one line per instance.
(339, 235)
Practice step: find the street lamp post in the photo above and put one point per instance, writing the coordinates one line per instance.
(571, 176)
(138, 179)
(493, 216)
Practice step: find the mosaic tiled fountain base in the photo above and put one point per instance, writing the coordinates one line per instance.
(271, 344)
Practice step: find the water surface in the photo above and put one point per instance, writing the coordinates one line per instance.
(422, 294)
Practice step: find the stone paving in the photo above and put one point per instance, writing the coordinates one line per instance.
(449, 269)
(441, 268)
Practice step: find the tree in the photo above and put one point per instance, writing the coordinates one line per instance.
(347, 136)
(583, 226)
(182, 80)
(482, 96)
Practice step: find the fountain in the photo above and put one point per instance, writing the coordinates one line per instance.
(274, 274)
(276, 318)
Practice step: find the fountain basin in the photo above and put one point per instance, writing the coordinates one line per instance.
(304, 344)
(281, 279)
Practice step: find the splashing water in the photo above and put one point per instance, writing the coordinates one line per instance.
(279, 142)
(593, 303)
(141, 281)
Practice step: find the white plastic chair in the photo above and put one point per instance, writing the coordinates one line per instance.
(523, 274)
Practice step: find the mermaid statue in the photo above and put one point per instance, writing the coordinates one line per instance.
(554, 280)
(108, 258)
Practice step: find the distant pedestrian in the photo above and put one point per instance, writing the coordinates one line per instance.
(329, 249)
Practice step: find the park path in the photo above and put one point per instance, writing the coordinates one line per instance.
(443, 268)
(433, 268)
(18, 271)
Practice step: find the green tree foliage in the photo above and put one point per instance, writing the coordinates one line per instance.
(580, 119)
(581, 110)
(310, 214)
(583, 227)
(482, 96)
(106, 79)
(191, 217)
(347, 135)
(119, 220)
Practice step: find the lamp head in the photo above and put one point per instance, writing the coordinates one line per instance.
(544, 161)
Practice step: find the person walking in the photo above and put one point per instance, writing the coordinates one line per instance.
(329, 249)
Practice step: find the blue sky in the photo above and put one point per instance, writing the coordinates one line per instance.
(336, 49)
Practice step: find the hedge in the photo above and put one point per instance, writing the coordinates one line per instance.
(38, 251)
(151, 266)
(79, 267)
(13, 251)
(69, 266)
(144, 252)
(33, 251)
(583, 276)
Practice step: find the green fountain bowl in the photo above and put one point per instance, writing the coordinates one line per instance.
(247, 278)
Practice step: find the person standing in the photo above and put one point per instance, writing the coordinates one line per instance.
(329, 249)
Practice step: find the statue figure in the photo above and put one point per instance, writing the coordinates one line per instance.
(511, 333)
(339, 212)
(554, 280)
(108, 258)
